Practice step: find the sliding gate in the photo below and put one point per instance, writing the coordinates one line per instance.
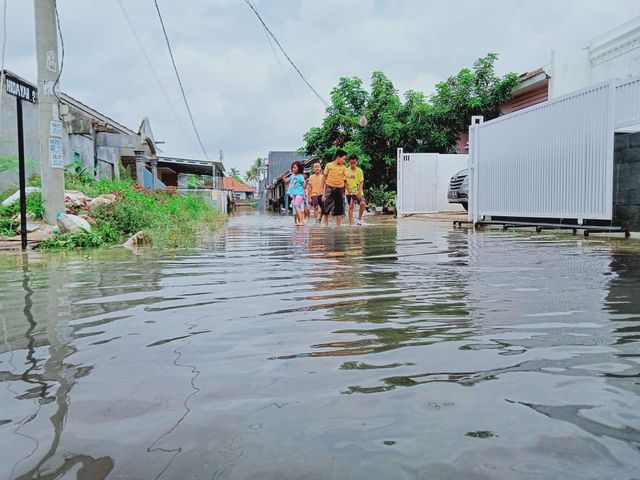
(552, 160)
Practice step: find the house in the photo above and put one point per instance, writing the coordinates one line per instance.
(279, 162)
(533, 88)
(92, 141)
(613, 54)
(239, 190)
(101, 146)
(278, 165)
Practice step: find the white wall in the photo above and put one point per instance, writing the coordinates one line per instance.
(613, 54)
(448, 166)
(570, 71)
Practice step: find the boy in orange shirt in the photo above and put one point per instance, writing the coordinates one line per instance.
(314, 190)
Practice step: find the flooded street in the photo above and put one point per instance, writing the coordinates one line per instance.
(408, 350)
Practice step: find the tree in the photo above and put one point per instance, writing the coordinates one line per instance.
(419, 123)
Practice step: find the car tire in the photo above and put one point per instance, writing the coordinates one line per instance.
(465, 205)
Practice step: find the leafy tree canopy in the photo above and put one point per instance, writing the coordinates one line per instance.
(416, 123)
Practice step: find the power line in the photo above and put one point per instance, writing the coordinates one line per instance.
(154, 72)
(285, 53)
(273, 50)
(175, 68)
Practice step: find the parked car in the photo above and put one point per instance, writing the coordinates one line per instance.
(459, 188)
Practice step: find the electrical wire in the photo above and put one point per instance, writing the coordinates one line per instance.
(4, 49)
(175, 68)
(252, 7)
(154, 73)
(275, 54)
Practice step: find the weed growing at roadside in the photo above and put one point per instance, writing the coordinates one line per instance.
(169, 219)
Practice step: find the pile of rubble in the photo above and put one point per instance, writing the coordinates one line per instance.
(77, 216)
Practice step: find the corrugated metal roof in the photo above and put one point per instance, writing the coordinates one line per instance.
(190, 161)
(280, 162)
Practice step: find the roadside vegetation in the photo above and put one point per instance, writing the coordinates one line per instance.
(165, 217)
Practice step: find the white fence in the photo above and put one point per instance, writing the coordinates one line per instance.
(627, 111)
(423, 181)
(552, 160)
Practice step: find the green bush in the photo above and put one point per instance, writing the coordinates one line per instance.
(168, 220)
(68, 241)
(8, 227)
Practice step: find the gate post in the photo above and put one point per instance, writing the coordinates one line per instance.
(474, 153)
(399, 202)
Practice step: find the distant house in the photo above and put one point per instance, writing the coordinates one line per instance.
(280, 162)
(278, 165)
(533, 88)
(239, 190)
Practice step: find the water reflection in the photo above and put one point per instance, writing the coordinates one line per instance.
(408, 350)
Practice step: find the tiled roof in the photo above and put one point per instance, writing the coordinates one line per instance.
(232, 184)
(527, 75)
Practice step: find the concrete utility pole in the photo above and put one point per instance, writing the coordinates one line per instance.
(51, 147)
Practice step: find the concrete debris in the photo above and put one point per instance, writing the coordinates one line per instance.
(102, 200)
(72, 223)
(140, 239)
(16, 196)
(74, 199)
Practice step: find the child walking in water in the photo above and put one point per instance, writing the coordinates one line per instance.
(296, 190)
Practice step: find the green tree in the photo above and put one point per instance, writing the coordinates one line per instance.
(471, 92)
(417, 124)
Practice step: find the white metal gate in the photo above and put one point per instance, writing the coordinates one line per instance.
(417, 183)
(552, 160)
(423, 181)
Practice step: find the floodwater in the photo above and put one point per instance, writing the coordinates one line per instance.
(408, 350)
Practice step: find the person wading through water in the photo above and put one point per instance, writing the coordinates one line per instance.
(314, 190)
(334, 182)
(355, 189)
(296, 190)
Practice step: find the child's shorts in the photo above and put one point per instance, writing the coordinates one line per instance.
(298, 201)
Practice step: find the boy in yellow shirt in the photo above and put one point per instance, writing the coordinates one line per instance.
(355, 189)
(334, 181)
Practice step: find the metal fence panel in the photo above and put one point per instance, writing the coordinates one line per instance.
(552, 160)
(423, 181)
(628, 102)
(417, 183)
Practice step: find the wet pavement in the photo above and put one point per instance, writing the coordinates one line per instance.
(406, 350)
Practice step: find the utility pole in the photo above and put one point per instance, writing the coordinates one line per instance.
(51, 151)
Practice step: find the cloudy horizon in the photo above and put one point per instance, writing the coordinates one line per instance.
(246, 102)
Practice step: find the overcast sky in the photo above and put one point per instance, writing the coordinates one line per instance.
(243, 101)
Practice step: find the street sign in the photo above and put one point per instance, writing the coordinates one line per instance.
(27, 92)
(21, 89)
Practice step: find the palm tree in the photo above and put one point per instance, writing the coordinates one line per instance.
(234, 172)
(258, 165)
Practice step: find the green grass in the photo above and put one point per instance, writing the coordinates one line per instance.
(8, 225)
(168, 220)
